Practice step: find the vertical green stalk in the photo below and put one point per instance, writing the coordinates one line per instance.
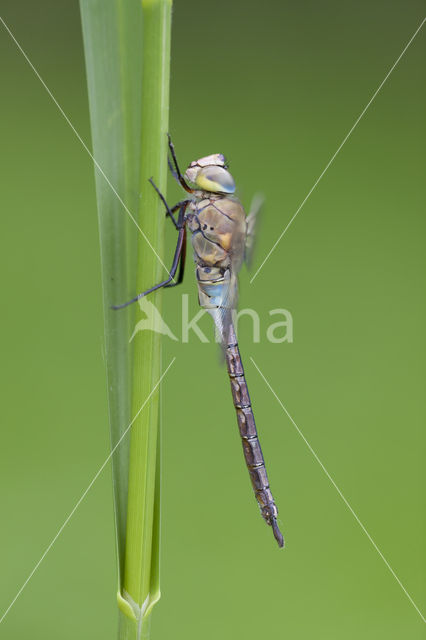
(127, 50)
(141, 581)
(112, 46)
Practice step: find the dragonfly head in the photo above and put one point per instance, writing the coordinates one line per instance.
(211, 174)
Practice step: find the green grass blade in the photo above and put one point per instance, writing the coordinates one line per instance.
(113, 50)
(127, 48)
(141, 582)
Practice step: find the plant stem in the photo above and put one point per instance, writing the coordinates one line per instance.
(141, 584)
(112, 46)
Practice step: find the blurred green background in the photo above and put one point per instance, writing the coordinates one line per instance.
(276, 87)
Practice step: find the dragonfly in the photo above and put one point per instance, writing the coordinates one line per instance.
(222, 238)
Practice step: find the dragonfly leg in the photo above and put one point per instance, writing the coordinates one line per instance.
(181, 264)
(169, 212)
(173, 210)
(179, 177)
(176, 259)
(172, 170)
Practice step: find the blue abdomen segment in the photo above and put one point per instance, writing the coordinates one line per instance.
(213, 287)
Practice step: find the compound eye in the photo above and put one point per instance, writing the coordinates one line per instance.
(215, 179)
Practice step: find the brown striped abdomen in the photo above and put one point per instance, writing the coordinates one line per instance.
(250, 441)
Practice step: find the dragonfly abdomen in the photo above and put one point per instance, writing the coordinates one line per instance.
(249, 437)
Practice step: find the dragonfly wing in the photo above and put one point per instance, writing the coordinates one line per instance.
(252, 221)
